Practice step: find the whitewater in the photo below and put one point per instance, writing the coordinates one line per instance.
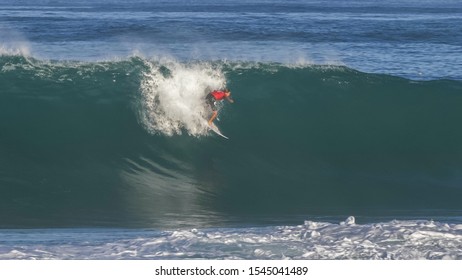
(404, 240)
(343, 135)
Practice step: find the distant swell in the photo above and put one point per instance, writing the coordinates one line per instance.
(123, 142)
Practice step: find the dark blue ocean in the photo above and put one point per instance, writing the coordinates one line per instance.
(344, 139)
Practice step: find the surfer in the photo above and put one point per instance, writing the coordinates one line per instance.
(215, 96)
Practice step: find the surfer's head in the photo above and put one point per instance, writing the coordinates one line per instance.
(227, 92)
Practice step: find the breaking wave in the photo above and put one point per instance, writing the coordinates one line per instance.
(124, 142)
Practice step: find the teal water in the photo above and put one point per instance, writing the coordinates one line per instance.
(343, 109)
(104, 144)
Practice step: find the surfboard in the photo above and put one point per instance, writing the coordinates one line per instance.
(215, 129)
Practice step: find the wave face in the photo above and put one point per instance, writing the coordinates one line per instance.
(124, 143)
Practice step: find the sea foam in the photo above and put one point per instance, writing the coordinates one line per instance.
(405, 239)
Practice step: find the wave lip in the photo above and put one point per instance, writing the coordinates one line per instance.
(13, 43)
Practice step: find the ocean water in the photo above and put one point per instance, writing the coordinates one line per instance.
(343, 138)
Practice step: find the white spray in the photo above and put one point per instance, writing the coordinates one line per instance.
(13, 42)
(173, 96)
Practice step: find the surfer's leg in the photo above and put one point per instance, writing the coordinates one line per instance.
(215, 113)
(213, 106)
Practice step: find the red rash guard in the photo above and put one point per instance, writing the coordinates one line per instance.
(218, 95)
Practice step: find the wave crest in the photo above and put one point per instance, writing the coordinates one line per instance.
(13, 43)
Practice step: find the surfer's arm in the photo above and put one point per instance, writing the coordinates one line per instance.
(229, 99)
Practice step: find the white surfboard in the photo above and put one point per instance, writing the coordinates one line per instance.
(215, 129)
